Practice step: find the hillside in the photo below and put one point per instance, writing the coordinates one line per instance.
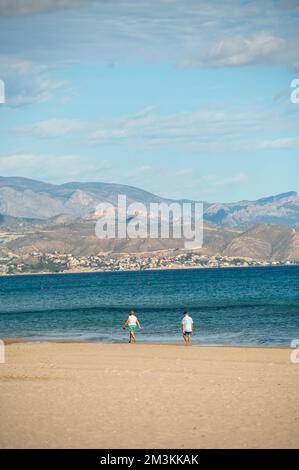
(21, 197)
(45, 218)
(65, 234)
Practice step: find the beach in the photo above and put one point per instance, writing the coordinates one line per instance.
(93, 395)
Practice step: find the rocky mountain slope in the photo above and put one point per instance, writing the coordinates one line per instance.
(270, 242)
(21, 197)
(65, 234)
(45, 218)
(280, 209)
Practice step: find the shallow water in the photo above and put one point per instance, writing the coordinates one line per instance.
(248, 306)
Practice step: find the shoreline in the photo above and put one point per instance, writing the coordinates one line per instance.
(45, 273)
(10, 341)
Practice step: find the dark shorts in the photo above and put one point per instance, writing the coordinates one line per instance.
(187, 333)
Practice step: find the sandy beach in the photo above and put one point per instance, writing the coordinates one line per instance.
(90, 395)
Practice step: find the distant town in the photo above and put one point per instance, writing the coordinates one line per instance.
(36, 262)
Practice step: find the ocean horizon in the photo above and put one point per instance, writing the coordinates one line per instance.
(257, 306)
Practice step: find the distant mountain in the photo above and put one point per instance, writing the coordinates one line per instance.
(26, 198)
(22, 197)
(45, 218)
(280, 209)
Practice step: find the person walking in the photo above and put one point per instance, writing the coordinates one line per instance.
(187, 328)
(131, 322)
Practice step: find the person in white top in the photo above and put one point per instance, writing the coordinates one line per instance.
(131, 322)
(187, 328)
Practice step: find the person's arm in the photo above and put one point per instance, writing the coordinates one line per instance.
(126, 322)
(139, 326)
(183, 326)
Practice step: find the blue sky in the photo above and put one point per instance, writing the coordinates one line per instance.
(182, 98)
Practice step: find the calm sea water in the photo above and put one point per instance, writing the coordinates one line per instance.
(253, 306)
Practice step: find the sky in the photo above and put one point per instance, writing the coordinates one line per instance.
(183, 98)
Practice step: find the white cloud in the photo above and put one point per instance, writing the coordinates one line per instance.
(53, 128)
(28, 7)
(282, 143)
(233, 51)
(32, 164)
(57, 168)
(189, 32)
(157, 129)
(28, 82)
(205, 130)
(143, 126)
(216, 180)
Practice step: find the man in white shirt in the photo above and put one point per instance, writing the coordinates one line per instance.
(187, 327)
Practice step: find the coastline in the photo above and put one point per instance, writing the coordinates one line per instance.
(95, 395)
(9, 341)
(43, 273)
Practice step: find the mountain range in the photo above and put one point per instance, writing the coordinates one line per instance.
(26, 198)
(37, 216)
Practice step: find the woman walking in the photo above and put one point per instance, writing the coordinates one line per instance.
(131, 322)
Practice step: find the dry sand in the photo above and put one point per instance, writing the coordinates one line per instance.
(147, 396)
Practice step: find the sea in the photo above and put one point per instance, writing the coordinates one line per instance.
(229, 306)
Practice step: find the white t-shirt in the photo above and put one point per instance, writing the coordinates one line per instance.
(132, 320)
(187, 323)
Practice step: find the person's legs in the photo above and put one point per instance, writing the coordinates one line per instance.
(132, 334)
(187, 337)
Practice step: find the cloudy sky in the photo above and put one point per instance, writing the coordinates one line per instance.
(184, 98)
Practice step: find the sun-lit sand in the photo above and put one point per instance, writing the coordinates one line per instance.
(147, 396)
